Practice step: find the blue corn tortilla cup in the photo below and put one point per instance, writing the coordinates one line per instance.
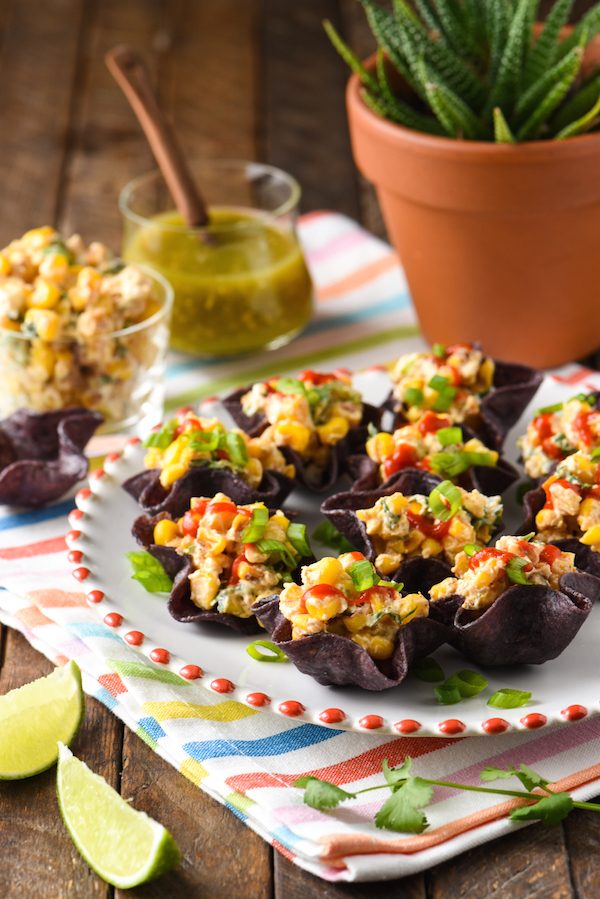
(514, 386)
(334, 660)
(41, 454)
(585, 558)
(202, 480)
(354, 442)
(526, 625)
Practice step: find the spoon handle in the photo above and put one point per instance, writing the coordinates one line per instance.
(132, 76)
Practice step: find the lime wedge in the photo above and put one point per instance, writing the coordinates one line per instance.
(35, 717)
(123, 846)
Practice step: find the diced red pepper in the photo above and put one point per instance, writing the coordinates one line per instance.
(435, 529)
(550, 554)
(404, 456)
(430, 423)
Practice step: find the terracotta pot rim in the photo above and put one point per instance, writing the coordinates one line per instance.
(392, 132)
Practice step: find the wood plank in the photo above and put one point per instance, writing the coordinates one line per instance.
(304, 129)
(527, 864)
(582, 834)
(221, 856)
(291, 882)
(38, 856)
(35, 102)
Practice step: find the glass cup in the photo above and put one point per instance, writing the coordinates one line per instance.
(241, 283)
(120, 373)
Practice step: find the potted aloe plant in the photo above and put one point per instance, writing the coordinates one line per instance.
(478, 126)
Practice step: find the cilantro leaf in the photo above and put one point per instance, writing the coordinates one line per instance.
(491, 773)
(327, 534)
(530, 778)
(321, 794)
(397, 775)
(549, 809)
(402, 811)
(149, 572)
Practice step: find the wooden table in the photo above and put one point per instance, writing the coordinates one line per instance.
(242, 79)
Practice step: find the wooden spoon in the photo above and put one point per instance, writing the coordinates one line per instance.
(132, 76)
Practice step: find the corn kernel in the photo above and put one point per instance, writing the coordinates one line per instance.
(326, 608)
(45, 321)
(356, 622)
(460, 529)
(43, 357)
(587, 505)
(397, 503)
(9, 323)
(387, 563)
(591, 536)
(445, 588)
(289, 433)
(334, 430)
(377, 647)
(204, 587)
(254, 471)
(172, 473)
(4, 266)
(486, 374)
(431, 547)
(43, 296)
(380, 446)
(39, 237)
(165, 531)
(54, 267)
(326, 571)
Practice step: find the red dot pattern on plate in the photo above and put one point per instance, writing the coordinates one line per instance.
(574, 712)
(73, 535)
(133, 441)
(291, 708)
(134, 638)
(533, 720)
(222, 685)
(113, 619)
(160, 655)
(75, 515)
(95, 596)
(75, 556)
(371, 722)
(332, 716)
(452, 726)
(183, 410)
(83, 494)
(113, 457)
(495, 725)
(407, 726)
(80, 574)
(98, 474)
(191, 672)
(258, 699)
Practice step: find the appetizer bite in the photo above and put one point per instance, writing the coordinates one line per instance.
(560, 430)
(65, 311)
(344, 625)
(189, 454)
(565, 509)
(432, 444)
(316, 419)
(518, 602)
(465, 384)
(41, 454)
(223, 557)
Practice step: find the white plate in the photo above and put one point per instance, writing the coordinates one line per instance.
(563, 690)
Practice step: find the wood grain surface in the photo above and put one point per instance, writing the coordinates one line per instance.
(242, 79)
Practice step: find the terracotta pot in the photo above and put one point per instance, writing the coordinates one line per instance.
(500, 243)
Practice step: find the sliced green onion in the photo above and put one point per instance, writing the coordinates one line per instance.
(449, 464)
(468, 683)
(439, 350)
(290, 385)
(372, 430)
(273, 653)
(596, 453)
(428, 670)
(508, 698)
(515, 570)
(445, 501)
(235, 447)
(268, 547)
(439, 383)
(394, 585)
(548, 410)
(447, 695)
(528, 537)
(470, 549)
(413, 396)
(485, 459)
(256, 527)
(588, 398)
(205, 441)
(449, 436)
(296, 534)
(363, 575)
(163, 438)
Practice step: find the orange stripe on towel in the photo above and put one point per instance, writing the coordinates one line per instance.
(41, 548)
(358, 278)
(31, 617)
(55, 599)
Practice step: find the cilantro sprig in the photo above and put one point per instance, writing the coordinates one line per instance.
(403, 810)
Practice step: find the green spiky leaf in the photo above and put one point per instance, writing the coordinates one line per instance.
(502, 132)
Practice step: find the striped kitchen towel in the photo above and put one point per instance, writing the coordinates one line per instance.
(247, 759)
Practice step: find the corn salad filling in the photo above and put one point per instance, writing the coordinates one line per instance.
(310, 413)
(572, 507)
(483, 574)
(448, 379)
(431, 443)
(240, 554)
(559, 431)
(345, 596)
(68, 298)
(188, 440)
(439, 525)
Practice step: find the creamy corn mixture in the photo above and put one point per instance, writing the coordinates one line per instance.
(431, 443)
(329, 600)
(559, 431)
(68, 297)
(572, 507)
(448, 379)
(233, 567)
(401, 527)
(188, 440)
(484, 575)
(310, 413)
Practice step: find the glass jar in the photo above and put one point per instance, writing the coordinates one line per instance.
(241, 283)
(117, 373)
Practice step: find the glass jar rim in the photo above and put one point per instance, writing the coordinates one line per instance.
(283, 209)
(149, 322)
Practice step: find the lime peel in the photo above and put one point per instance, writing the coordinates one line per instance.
(125, 847)
(35, 717)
